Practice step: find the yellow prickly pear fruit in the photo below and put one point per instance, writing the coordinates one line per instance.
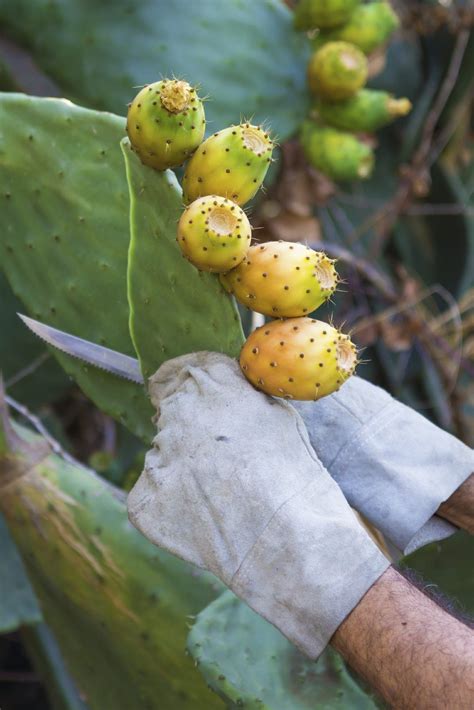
(337, 70)
(298, 358)
(282, 279)
(337, 154)
(231, 163)
(166, 123)
(214, 234)
(369, 27)
(366, 111)
(310, 14)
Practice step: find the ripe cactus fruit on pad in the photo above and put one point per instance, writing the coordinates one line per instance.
(366, 111)
(298, 358)
(310, 14)
(282, 279)
(337, 70)
(337, 154)
(166, 123)
(214, 233)
(231, 163)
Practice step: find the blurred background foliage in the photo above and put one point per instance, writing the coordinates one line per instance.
(404, 240)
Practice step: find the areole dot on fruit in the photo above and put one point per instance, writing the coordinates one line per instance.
(298, 358)
(214, 233)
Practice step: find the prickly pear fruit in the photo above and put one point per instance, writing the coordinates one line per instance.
(337, 154)
(214, 233)
(367, 111)
(231, 163)
(337, 70)
(282, 279)
(310, 14)
(298, 358)
(166, 123)
(369, 27)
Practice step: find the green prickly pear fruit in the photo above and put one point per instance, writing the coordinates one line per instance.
(337, 71)
(214, 233)
(231, 163)
(369, 27)
(166, 123)
(282, 279)
(367, 111)
(298, 358)
(310, 14)
(337, 154)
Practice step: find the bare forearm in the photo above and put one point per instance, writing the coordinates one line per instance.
(411, 651)
(459, 508)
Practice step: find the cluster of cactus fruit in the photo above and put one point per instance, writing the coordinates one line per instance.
(292, 356)
(346, 31)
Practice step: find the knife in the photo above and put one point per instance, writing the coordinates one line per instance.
(97, 355)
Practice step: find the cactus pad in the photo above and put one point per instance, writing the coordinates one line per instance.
(166, 123)
(231, 163)
(250, 664)
(214, 234)
(337, 154)
(174, 308)
(282, 279)
(312, 14)
(366, 111)
(65, 235)
(298, 358)
(368, 27)
(337, 70)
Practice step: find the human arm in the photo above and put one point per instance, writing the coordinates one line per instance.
(459, 508)
(408, 648)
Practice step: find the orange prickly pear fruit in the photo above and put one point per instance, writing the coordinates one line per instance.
(214, 233)
(298, 358)
(282, 279)
(337, 71)
(166, 123)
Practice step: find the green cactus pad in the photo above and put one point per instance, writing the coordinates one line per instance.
(367, 111)
(98, 52)
(310, 14)
(166, 123)
(214, 234)
(337, 154)
(369, 27)
(231, 163)
(250, 664)
(65, 236)
(174, 308)
(337, 71)
(118, 606)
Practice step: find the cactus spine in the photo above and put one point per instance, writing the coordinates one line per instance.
(166, 123)
(310, 14)
(337, 154)
(282, 279)
(231, 163)
(367, 111)
(298, 358)
(337, 71)
(214, 233)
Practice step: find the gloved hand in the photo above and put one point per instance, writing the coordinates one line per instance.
(392, 464)
(233, 485)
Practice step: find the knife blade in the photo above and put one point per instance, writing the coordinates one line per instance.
(97, 355)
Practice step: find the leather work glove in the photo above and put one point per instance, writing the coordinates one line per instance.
(233, 485)
(392, 464)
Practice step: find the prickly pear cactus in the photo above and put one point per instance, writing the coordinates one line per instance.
(214, 234)
(365, 112)
(231, 163)
(174, 308)
(281, 279)
(262, 670)
(298, 358)
(118, 606)
(338, 154)
(65, 235)
(166, 123)
(368, 27)
(310, 14)
(337, 71)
